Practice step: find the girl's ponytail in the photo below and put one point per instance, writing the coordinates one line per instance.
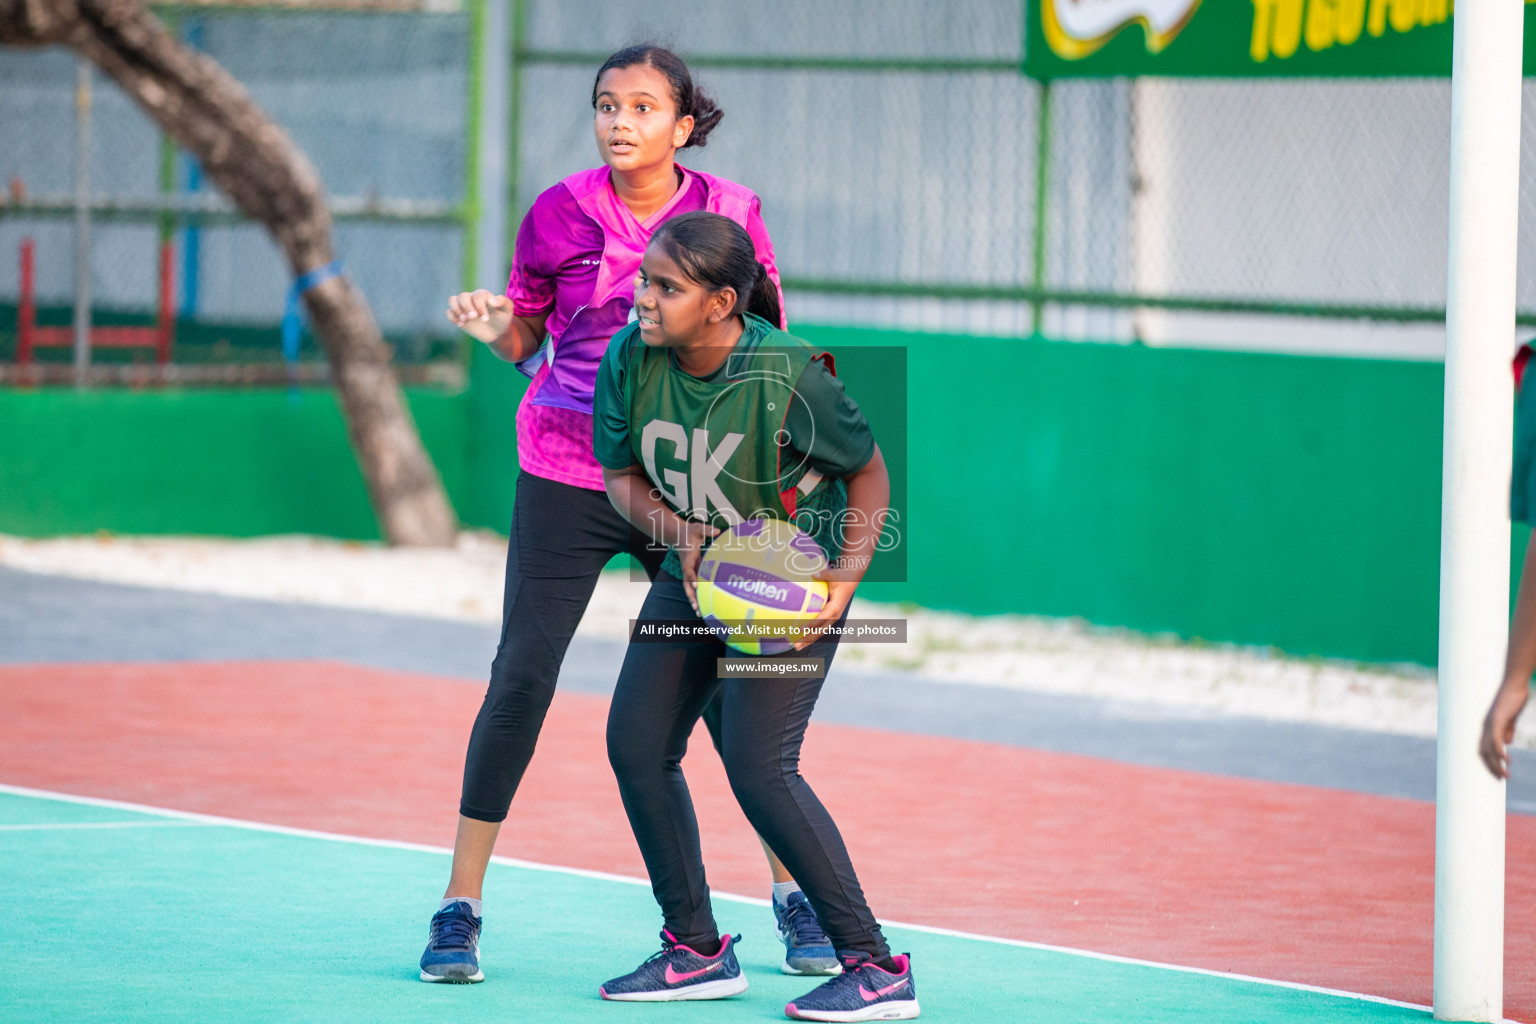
(764, 300)
(705, 116)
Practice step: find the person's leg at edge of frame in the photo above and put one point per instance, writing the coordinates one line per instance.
(763, 727)
(560, 539)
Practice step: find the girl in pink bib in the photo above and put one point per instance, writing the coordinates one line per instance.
(577, 254)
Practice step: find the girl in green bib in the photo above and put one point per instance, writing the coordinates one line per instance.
(705, 415)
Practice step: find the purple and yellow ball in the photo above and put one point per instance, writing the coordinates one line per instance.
(760, 572)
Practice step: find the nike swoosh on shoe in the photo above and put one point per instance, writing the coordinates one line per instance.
(870, 997)
(673, 977)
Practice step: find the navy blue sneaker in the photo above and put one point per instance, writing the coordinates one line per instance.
(862, 992)
(453, 946)
(677, 972)
(807, 950)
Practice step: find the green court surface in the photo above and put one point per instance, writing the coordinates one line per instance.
(111, 914)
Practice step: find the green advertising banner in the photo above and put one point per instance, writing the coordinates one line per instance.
(1243, 38)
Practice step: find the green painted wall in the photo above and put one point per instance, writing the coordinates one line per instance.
(230, 463)
(1279, 500)
(1230, 496)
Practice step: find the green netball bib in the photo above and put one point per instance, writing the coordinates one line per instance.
(717, 450)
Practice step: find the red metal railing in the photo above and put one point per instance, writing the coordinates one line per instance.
(30, 337)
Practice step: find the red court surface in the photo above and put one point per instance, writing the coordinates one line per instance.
(1287, 882)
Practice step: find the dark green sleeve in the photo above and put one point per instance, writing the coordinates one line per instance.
(610, 420)
(1522, 484)
(827, 426)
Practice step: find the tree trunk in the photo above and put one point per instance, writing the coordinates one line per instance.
(253, 161)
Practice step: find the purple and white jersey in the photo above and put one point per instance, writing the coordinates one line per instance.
(577, 254)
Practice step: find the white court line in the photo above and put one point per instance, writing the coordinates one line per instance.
(395, 844)
(46, 827)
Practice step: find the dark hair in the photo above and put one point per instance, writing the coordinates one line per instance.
(690, 100)
(716, 252)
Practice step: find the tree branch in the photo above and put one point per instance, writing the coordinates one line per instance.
(254, 162)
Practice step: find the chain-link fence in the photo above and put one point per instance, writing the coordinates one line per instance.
(911, 176)
(897, 150)
(380, 103)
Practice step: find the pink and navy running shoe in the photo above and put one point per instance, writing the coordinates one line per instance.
(677, 972)
(862, 992)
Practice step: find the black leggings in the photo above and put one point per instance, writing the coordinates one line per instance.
(561, 537)
(663, 689)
